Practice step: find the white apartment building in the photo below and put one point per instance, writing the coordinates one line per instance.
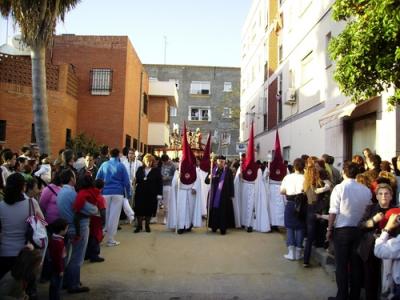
(302, 99)
(254, 56)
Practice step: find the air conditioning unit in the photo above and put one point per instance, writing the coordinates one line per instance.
(290, 98)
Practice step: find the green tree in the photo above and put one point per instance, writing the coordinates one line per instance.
(367, 51)
(83, 143)
(37, 20)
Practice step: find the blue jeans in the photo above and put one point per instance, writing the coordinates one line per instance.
(77, 250)
(55, 287)
(295, 237)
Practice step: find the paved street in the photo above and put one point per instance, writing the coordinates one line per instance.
(163, 265)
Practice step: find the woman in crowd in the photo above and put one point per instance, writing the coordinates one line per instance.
(148, 191)
(316, 185)
(357, 159)
(369, 225)
(13, 212)
(292, 188)
(396, 169)
(387, 248)
(13, 284)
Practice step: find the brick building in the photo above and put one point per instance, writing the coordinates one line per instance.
(96, 85)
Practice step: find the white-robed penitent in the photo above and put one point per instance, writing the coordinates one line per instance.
(250, 203)
(185, 208)
(276, 203)
(205, 189)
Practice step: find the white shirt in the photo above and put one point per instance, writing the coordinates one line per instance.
(132, 167)
(292, 184)
(389, 249)
(348, 201)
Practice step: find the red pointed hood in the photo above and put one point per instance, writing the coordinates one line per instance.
(188, 164)
(249, 166)
(277, 169)
(205, 163)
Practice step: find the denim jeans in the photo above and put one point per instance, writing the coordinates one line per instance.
(55, 287)
(295, 237)
(72, 276)
(311, 232)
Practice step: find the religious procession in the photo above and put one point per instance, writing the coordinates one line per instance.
(80, 202)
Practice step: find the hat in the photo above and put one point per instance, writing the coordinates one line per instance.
(187, 168)
(249, 166)
(277, 167)
(205, 163)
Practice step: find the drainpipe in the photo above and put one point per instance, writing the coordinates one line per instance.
(140, 110)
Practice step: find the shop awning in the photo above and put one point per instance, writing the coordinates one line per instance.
(338, 112)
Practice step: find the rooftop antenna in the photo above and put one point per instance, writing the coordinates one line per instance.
(165, 49)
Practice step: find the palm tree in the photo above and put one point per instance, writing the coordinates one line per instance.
(37, 20)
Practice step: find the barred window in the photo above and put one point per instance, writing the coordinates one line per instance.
(3, 126)
(101, 81)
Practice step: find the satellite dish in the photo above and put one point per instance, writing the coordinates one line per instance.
(17, 42)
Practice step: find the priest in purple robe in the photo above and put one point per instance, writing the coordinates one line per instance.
(221, 214)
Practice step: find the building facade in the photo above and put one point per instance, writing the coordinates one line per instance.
(96, 85)
(208, 100)
(301, 98)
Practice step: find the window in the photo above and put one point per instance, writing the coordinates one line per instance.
(3, 125)
(227, 113)
(286, 153)
(328, 61)
(127, 140)
(306, 68)
(280, 54)
(279, 97)
(199, 113)
(135, 144)
(200, 88)
(227, 86)
(68, 135)
(145, 103)
(33, 135)
(173, 111)
(225, 138)
(101, 81)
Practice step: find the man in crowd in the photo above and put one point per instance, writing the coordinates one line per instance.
(167, 173)
(117, 186)
(77, 244)
(222, 191)
(348, 202)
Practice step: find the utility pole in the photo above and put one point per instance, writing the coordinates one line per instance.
(165, 49)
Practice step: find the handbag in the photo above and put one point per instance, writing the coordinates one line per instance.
(300, 206)
(36, 232)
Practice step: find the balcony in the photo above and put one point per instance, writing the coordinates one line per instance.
(165, 89)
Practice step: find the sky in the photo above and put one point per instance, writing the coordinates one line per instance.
(206, 32)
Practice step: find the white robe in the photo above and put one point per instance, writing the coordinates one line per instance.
(184, 207)
(252, 202)
(205, 188)
(276, 203)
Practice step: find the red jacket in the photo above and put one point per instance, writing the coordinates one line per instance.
(93, 196)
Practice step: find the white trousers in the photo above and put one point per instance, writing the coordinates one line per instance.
(113, 211)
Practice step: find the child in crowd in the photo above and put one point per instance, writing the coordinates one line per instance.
(57, 253)
(44, 171)
(90, 190)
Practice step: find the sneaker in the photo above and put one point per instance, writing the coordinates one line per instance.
(80, 289)
(131, 219)
(96, 259)
(112, 243)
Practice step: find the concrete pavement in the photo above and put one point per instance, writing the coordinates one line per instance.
(200, 265)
